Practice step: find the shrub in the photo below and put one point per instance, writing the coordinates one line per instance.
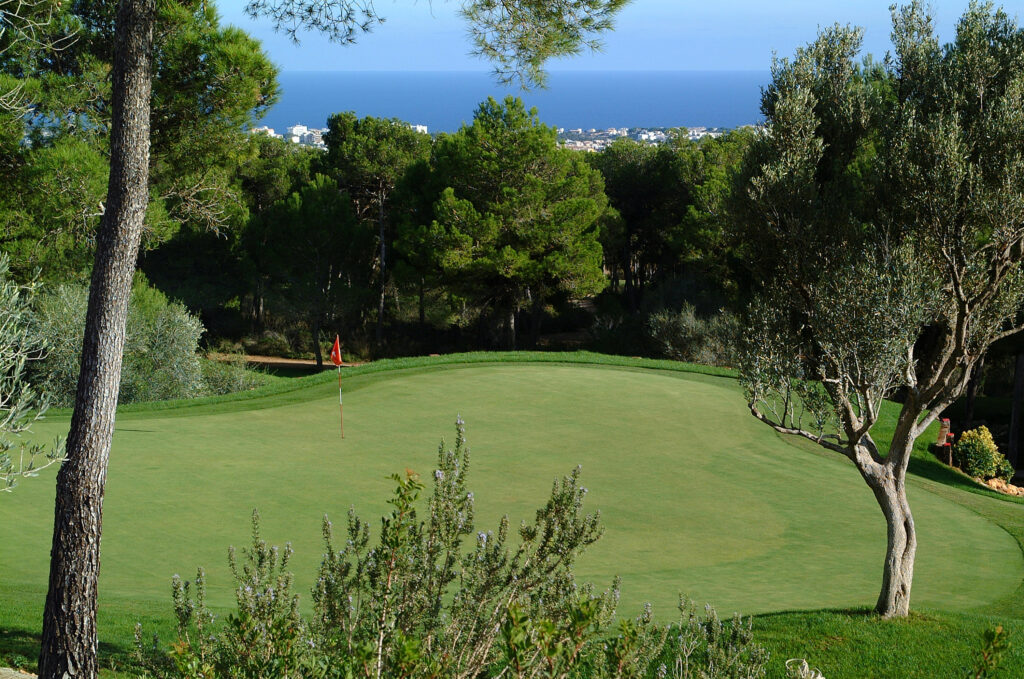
(419, 603)
(269, 343)
(161, 339)
(977, 455)
(1005, 470)
(685, 336)
(227, 377)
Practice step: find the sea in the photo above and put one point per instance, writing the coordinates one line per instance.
(444, 100)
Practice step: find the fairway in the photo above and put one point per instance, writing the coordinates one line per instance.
(697, 497)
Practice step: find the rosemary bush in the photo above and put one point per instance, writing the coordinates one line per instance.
(160, 360)
(20, 403)
(685, 336)
(431, 596)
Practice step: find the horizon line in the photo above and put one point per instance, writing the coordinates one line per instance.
(550, 71)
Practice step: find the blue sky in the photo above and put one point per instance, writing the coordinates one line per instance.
(649, 35)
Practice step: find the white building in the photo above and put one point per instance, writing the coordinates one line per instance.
(422, 129)
(295, 133)
(263, 129)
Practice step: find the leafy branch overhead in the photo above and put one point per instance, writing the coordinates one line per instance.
(517, 36)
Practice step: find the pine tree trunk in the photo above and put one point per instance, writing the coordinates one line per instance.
(901, 548)
(258, 303)
(69, 640)
(383, 271)
(511, 328)
(317, 351)
(423, 301)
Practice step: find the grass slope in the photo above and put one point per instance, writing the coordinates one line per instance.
(696, 495)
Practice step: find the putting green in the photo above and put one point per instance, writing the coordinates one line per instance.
(697, 497)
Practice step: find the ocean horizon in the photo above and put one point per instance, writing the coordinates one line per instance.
(444, 100)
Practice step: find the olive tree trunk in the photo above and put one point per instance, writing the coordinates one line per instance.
(887, 479)
(901, 547)
(69, 640)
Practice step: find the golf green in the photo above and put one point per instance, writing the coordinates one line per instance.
(697, 497)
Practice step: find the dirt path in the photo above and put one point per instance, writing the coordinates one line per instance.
(277, 362)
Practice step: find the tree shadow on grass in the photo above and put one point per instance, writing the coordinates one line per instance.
(19, 649)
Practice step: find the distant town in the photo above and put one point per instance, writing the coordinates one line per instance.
(577, 139)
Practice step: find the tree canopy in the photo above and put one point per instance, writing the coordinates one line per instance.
(519, 216)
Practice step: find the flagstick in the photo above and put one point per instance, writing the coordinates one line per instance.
(341, 406)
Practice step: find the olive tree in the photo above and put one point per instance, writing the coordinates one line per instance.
(886, 202)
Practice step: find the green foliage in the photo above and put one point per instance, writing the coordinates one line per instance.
(228, 377)
(369, 156)
(977, 455)
(994, 646)
(315, 255)
(670, 218)
(20, 403)
(649, 189)
(517, 37)
(867, 177)
(51, 224)
(518, 221)
(209, 83)
(160, 360)
(685, 336)
(274, 169)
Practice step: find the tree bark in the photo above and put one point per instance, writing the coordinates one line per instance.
(69, 641)
(511, 328)
(1013, 449)
(383, 270)
(972, 392)
(901, 547)
(423, 301)
(317, 351)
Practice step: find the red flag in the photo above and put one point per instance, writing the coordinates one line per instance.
(336, 352)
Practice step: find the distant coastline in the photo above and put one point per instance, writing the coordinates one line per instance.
(443, 100)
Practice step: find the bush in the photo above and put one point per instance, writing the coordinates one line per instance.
(977, 455)
(21, 405)
(269, 343)
(161, 339)
(685, 336)
(1005, 470)
(227, 377)
(421, 603)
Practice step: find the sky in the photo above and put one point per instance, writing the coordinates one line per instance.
(674, 35)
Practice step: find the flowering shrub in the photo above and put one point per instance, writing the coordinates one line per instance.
(977, 455)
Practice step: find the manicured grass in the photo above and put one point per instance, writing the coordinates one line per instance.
(853, 643)
(696, 495)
